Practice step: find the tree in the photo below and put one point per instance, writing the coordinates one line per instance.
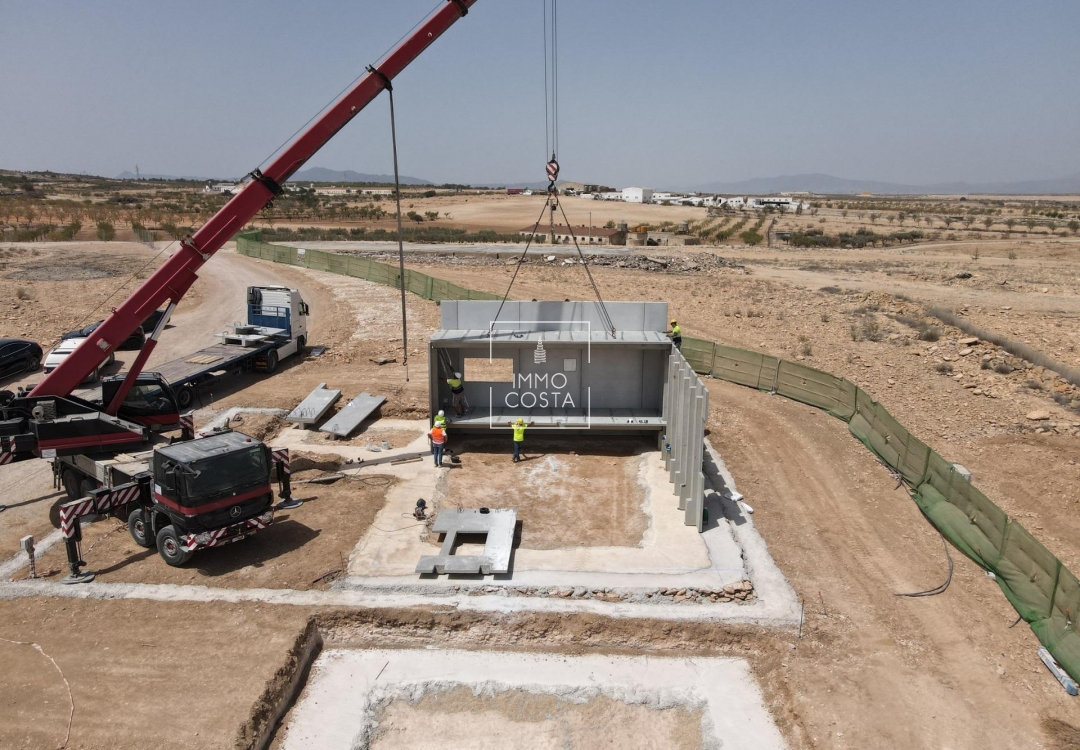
(751, 237)
(105, 231)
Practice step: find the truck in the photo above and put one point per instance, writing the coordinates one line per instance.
(181, 497)
(52, 421)
(276, 328)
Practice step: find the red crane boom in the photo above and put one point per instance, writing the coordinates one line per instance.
(172, 280)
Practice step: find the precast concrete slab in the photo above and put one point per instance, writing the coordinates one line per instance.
(314, 406)
(348, 691)
(496, 524)
(349, 418)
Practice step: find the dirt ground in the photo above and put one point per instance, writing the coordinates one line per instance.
(301, 547)
(142, 674)
(874, 669)
(516, 719)
(588, 498)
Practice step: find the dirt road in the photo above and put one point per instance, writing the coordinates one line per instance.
(874, 669)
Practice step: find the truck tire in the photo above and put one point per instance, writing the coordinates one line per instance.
(271, 362)
(139, 527)
(171, 548)
(71, 481)
(185, 397)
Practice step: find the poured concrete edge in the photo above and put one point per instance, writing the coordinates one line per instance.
(341, 705)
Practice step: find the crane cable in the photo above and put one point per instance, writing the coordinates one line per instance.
(551, 140)
(401, 245)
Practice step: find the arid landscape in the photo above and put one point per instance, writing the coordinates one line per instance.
(865, 668)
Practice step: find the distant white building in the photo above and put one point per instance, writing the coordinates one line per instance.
(781, 203)
(637, 195)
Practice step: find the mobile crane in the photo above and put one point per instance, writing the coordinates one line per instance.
(50, 422)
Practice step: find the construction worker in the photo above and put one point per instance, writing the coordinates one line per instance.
(676, 334)
(440, 420)
(437, 435)
(457, 388)
(519, 426)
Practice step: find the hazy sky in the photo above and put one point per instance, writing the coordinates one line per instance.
(671, 93)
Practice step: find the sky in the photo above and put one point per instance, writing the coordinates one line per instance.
(665, 94)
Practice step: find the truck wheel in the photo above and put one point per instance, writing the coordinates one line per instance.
(185, 397)
(71, 484)
(140, 528)
(171, 548)
(271, 362)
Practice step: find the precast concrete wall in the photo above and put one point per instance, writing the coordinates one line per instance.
(686, 410)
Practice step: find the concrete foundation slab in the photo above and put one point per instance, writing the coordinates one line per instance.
(498, 526)
(349, 418)
(348, 691)
(314, 406)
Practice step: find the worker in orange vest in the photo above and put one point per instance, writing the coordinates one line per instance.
(437, 435)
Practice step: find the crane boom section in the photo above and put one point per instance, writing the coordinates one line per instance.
(176, 275)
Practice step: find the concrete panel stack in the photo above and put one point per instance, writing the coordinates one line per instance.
(686, 409)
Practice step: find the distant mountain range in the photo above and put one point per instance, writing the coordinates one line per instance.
(322, 174)
(827, 184)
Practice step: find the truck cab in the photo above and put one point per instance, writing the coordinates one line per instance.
(281, 311)
(206, 492)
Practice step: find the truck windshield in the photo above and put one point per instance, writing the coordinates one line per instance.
(226, 473)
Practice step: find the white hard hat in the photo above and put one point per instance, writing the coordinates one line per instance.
(457, 374)
(442, 413)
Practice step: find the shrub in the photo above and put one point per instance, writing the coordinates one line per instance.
(105, 231)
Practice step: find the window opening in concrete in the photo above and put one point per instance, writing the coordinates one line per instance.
(484, 370)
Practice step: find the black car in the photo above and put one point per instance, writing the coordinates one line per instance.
(18, 356)
(134, 341)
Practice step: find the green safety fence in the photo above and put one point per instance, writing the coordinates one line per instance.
(1041, 589)
(420, 284)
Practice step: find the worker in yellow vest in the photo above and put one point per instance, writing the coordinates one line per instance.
(457, 389)
(518, 426)
(676, 334)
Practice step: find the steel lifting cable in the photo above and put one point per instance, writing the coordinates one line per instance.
(551, 139)
(401, 245)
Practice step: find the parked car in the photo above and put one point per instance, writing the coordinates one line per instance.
(134, 341)
(17, 356)
(64, 349)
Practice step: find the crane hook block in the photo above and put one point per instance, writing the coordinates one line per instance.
(552, 170)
